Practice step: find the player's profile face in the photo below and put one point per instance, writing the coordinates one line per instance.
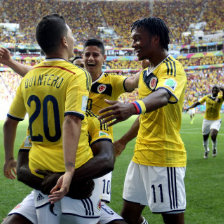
(79, 62)
(71, 41)
(142, 43)
(93, 58)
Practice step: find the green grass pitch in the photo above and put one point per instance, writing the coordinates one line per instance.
(204, 178)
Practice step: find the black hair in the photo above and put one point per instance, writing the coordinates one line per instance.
(215, 87)
(156, 27)
(95, 42)
(49, 32)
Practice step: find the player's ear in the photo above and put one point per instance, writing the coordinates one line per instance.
(64, 41)
(156, 40)
(105, 57)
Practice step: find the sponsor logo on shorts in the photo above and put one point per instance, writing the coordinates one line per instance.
(40, 197)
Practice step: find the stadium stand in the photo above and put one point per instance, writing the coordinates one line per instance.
(196, 36)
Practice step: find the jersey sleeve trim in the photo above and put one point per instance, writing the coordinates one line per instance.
(172, 95)
(15, 118)
(124, 85)
(24, 149)
(81, 116)
(101, 139)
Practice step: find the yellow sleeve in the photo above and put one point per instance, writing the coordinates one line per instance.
(118, 85)
(77, 95)
(17, 109)
(202, 100)
(97, 130)
(173, 79)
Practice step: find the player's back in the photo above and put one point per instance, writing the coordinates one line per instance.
(51, 90)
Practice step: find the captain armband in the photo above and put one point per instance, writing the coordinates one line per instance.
(139, 106)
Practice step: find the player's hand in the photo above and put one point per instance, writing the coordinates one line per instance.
(4, 55)
(10, 169)
(116, 113)
(119, 147)
(61, 188)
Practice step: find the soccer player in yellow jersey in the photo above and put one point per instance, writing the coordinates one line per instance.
(104, 85)
(212, 119)
(102, 162)
(54, 93)
(155, 176)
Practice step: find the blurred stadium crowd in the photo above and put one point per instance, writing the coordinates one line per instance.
(86, 17)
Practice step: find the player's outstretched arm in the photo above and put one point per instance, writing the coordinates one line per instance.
(6, 59)
(222, 89)
(193, 106)
(121, 143)
(118, 112)
(9, 130)
(131, 82)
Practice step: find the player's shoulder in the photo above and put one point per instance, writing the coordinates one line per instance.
(110, 76)
(76, 69)
(171, 67)
(207, 96)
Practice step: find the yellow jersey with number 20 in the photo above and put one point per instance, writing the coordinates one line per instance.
(49, 91)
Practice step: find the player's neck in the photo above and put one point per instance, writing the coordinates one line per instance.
(95, 75)
(158, 58)
(57, 55)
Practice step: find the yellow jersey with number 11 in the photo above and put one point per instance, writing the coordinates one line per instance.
(158, 141)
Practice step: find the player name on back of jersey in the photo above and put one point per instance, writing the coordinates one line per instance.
(44, 80)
